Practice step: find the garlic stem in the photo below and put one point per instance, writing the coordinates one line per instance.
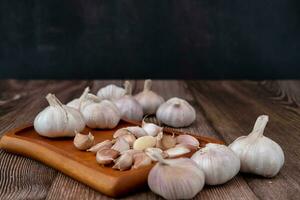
(147, 85)
(128, 88)
(259, 126)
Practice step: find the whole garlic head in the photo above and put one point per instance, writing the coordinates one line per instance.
(258, 154)
(179, 178)
(58, 120)
(129, 107)
(176, 112)
(101, 115)
(75, 103)
(111, 92)
(149, 100)
(218, 162)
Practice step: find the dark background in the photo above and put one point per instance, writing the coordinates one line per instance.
(206, 39)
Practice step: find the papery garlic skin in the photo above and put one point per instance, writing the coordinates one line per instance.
(259, 154)
(149, 100)
(82, 141)
(129, 107)
(218, 162)
(111, 92)
(58, 120)
(101, 115)
(178, 178)
(176, 112)
(75, 103)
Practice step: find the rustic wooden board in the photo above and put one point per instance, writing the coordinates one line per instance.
(61, 154)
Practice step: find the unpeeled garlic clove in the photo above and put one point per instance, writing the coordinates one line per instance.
(137, 131)
(124, 162)
(148, 99)
(121, 145)
(120, 132)
(82, 141)
(218, 162)
(179, 178)
(111, 92)
(129, 138)
(129, 107)
(141, 160)
(176, 112)
(188, 140)
(106, 156)
(150, 151)
(165, 141)
(144, 142)
(177, 151)
(151, 129)
(106, 144)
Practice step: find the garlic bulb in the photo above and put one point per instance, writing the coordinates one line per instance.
(75, 103)
(106, 156)
(111, 92)
(151, 129)
(259, 154)
(149, 100)
(176, 112)
(106, 144)
(82, 141)
(58, 120)
(129, 107)
(101, 115)
(178, 178)
(218, 162)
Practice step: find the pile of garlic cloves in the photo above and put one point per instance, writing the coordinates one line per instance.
(135, 147)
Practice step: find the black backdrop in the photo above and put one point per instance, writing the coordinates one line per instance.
(150, 38)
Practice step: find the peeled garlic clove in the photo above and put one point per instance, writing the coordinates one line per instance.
(218, 162)
(151, 129)
(259, 154)
(166, 141)
(101, 115)
(176, 112)
(178, 178)
(107, 144)
(106, 156)
(144, 142)
(137, 131)
(150, 151)
(141, 160)
(124, 162)
(177, 151)
(58, 120)
(187, 140)
(149, 100)
(75, 103)
(129, 107)
(82, 141)
(129, 138)
(121, 145)
(111, 92)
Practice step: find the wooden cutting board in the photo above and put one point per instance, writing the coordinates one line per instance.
(61, 154)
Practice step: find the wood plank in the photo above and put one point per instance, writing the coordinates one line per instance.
(20, 101)
(67, 188)
(232, 107)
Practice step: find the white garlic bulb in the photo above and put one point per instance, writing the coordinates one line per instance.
(58, 120)
(176, 112)
(129, 107)
(149, 100)
(258, 154)
(101, 115)
(111, 92)
(218, 162)
(82, 141)
(75, 103)
(151, 129)
(179, 178)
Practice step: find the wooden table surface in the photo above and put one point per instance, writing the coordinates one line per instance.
(225, 110)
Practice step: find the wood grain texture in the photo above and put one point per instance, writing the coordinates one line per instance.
(225, 110)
